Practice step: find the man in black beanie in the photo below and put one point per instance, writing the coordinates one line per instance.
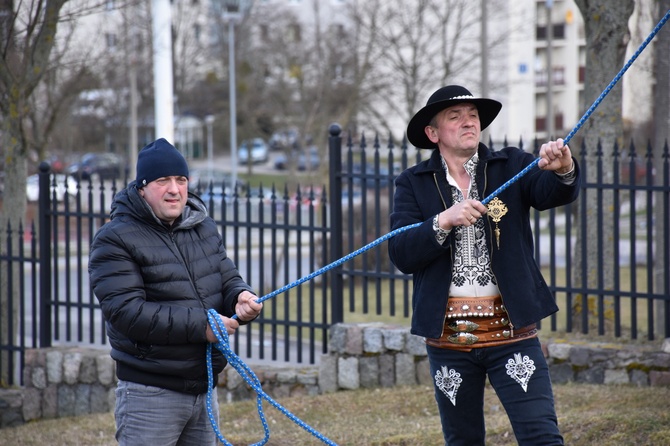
(156, 268)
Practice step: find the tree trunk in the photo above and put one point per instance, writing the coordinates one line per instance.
(661, 118)
(607, 35)
(22, 66)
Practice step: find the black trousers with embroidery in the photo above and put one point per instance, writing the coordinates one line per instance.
(520, 376)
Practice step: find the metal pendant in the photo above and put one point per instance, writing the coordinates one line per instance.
(496, 210)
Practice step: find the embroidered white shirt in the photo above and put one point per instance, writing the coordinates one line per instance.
(471, 275)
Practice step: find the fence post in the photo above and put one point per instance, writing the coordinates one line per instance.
(44, 234)
(335, 185)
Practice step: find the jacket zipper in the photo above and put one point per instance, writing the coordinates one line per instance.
(183, 261)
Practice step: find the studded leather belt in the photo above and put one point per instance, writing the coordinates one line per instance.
(476, 322)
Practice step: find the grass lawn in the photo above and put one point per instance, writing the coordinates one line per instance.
(588, 414)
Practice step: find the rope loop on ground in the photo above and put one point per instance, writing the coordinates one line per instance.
(223, 344)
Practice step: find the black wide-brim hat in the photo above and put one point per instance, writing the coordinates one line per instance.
(443, 98)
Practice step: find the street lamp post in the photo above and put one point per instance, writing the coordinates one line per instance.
(209, 119)
(233, 100)
(550, 71)
(233, 11)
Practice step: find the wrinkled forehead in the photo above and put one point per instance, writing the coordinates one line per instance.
(456, 109)
(460, 108)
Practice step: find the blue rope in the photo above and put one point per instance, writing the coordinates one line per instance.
(248, 375)
(588, 113)
(336, 263)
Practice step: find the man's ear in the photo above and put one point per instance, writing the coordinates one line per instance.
(431, 133)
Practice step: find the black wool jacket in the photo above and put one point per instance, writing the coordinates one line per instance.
(422, 192)
(155, 284)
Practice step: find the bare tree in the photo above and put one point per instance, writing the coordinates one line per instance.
(607, 35)
(406, 51)
(292, 71)
(25, 62)
(661, 114)
(299, 69)
(38, 82)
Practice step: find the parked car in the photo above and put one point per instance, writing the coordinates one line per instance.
(200, 181)
(371, 177)
(302, 159)
(255, 149)
(105, 166)
(33, 187)
(285, 139)
(640, 171)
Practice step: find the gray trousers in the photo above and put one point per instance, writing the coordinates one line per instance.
(151, 415)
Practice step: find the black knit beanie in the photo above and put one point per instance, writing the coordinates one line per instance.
(159, 159)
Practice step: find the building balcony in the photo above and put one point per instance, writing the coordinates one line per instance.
(557, 77)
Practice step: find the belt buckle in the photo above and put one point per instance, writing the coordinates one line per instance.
(463, 326)
(462, 338)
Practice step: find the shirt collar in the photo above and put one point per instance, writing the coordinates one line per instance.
(470, 165)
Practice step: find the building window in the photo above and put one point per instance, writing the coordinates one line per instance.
(111, 41)
(557, 76)
(558, 32)
(294, 33)
(197, 31)
(541, 123)
(264, 32)
(337, 31)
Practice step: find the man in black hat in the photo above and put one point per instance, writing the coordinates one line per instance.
(156, 268)
(478, 291)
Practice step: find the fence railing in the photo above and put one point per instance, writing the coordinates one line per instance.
(277, 236)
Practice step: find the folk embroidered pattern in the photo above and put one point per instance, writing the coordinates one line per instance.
(448, 381)
(520, 369)
(471, 262)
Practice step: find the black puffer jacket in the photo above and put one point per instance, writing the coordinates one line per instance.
(155, 284)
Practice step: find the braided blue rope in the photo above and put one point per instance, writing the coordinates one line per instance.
(336, 263)
(248, 375)
(588, 113)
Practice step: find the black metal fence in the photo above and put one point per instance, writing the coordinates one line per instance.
(301, 241)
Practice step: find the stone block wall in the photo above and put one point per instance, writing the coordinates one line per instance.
(73, 381)
(371, 355)
(606, 363)
(60, 382)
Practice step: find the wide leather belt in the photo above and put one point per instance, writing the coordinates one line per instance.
(476, 322)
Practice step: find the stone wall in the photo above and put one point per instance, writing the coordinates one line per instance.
(61, 382)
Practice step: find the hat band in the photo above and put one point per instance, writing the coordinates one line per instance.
(461, 97)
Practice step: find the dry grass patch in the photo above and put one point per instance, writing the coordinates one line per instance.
(400, 416)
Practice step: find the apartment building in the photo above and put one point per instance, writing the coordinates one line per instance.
(536, 70)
